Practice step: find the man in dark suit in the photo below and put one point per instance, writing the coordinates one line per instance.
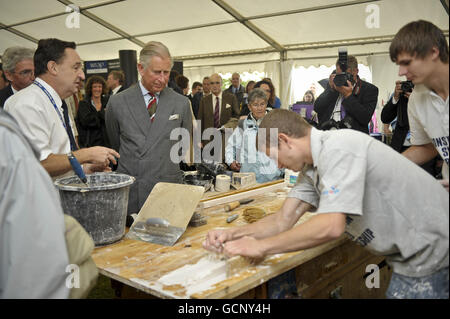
(218, 110)
(236, 88)
(19, 70)
(195, 97)
(115, 82)
(352, 105)
(397, 107)
(139, 122)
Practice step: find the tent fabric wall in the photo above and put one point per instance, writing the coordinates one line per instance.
(197, 74)
(287, 88)
(222, 36)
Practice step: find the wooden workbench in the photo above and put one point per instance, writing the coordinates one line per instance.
(142, 265)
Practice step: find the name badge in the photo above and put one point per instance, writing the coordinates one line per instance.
(227, 106)
(174, 117)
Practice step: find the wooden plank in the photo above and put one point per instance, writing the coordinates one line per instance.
(213, 200)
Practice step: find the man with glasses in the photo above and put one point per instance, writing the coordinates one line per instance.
(19, 70)
(218, 110)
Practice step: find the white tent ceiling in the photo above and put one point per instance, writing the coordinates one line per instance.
(205, 32)
(269, 36)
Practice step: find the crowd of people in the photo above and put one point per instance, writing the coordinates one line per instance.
(349, 178)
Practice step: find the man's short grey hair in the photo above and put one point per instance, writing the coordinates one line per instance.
(257, 94)
(14, 55)
(151, 49)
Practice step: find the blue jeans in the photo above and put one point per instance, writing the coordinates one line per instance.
(282, 285)
(434, 286)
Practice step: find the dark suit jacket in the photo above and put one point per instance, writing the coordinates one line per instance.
(358, 108)
(91, 124)
(229, 112)
(400, 111)
(5, 93)
(239, 94)
(195, 101)
(121, 89)
(144, 147)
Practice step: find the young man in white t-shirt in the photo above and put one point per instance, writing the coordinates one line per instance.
(421, 51)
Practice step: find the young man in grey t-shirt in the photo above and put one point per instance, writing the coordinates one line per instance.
(359, 186)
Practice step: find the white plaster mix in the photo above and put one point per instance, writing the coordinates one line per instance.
(197, 277)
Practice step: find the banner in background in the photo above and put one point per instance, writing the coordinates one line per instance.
(95, 67)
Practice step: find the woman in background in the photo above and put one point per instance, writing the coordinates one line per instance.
(269, 89)
(274, 101)
(308, 98)
(91, 114)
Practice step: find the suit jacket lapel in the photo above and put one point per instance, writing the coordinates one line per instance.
(138, 109)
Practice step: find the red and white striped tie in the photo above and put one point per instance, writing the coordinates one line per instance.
(151, 107)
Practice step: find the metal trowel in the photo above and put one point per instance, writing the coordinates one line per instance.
(166, 213)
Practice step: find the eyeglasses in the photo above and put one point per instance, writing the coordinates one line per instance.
(25, 73)
(214, 82)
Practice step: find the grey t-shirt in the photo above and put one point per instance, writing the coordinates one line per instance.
(394, 208)
(33, 252)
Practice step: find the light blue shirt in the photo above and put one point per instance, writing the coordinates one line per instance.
(146, 94)
(241, 147)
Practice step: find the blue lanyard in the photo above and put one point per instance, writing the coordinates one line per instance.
(56, 109)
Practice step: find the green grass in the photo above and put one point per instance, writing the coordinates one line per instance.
(102, 290)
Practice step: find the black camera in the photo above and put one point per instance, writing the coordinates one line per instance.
(336, 125)
(407, 86)
(342, 78)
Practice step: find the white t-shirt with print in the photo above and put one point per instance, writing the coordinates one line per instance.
(428, 122)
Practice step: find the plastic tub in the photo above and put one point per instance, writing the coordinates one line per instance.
(100, 207)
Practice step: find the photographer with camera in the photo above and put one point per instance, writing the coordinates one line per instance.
(348, 101)
(397, 107)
